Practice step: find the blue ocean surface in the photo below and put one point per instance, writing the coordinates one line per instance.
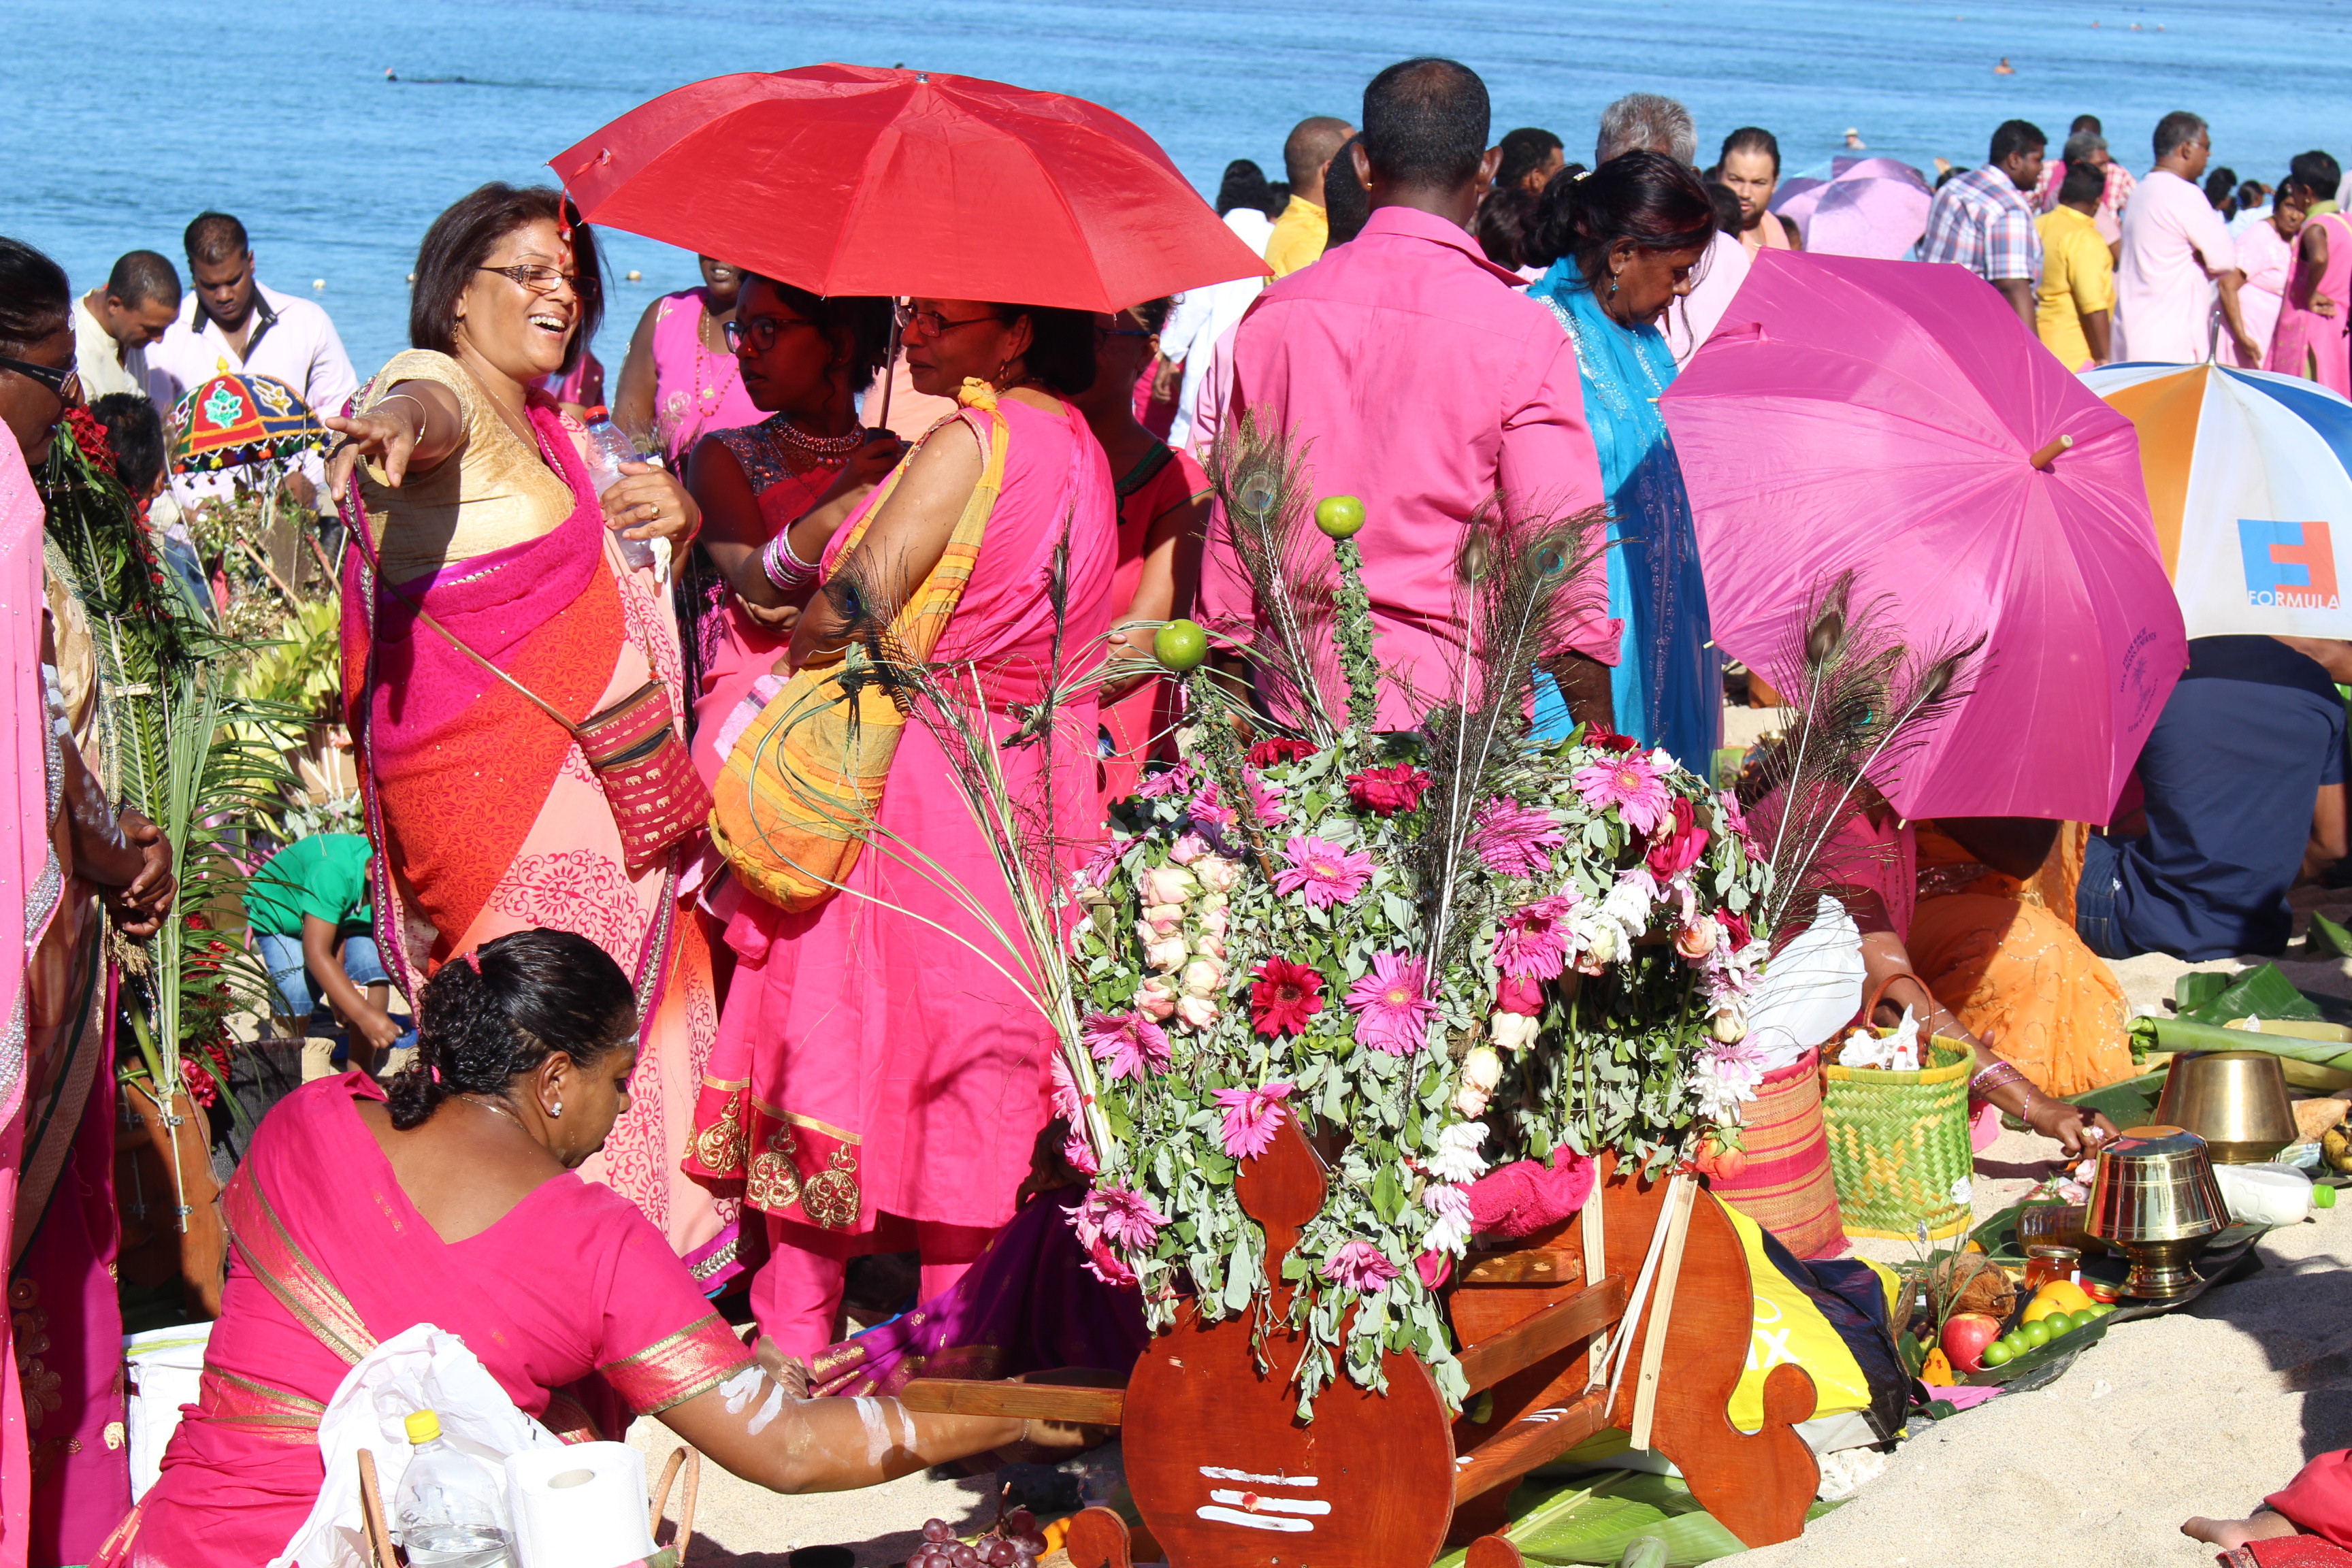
(125, 121)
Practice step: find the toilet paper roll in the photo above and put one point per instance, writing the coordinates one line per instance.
(584, 1506)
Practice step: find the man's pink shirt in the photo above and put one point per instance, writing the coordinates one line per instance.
(1425, 381)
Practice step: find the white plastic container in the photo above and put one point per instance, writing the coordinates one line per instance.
(2265, 1195)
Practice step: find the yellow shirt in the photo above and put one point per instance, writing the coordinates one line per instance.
(2078, 276)
(1299, 238)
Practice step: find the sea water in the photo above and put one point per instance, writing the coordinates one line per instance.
(124, 121)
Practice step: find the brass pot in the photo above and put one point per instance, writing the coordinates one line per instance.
(2235, 1100)
(2156, 1199)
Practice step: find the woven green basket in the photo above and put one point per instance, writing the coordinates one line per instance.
(1899, 1146)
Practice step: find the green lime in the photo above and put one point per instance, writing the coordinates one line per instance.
(1339, 516)
(1180, 645)
(2036, 1334)
(1998, 1353)
(2062, 1324)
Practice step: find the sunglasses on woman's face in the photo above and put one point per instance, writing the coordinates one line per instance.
(65, 381)
(760, 331)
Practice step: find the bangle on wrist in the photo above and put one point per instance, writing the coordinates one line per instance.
(423, 411)
(784, 567)
(1999, 1075)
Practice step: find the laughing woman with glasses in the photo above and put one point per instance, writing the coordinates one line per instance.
(486, 541)
(772, 493)
(880, 1081)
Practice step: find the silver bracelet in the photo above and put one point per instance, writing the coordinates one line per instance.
(423, 411)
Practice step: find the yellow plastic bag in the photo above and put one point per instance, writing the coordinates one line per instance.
(1787, 1327)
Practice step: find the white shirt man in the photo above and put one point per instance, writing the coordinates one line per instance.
(291, 341)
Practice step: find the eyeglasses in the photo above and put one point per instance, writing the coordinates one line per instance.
(1104, 334)
(537, 276)
(760, 331)
(65, 381)
(932, 324)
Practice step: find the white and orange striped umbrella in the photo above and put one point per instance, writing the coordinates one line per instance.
(2248, 480)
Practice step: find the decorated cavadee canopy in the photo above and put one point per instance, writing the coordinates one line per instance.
(233, 420)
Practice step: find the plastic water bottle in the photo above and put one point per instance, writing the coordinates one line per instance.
(608, 449)
(447, 1513)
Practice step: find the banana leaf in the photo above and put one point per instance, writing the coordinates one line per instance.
(2326, 939)
(2195, 988)
(2192, 1034)
(2262, 993)
(1595, 1518)
(2130, 1104)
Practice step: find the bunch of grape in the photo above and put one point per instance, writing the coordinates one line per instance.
(1015, 1543)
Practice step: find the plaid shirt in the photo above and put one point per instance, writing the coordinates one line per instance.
(1984, 223)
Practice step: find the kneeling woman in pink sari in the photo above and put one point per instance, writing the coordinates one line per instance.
(454, 1201)
(489, 617)
(880, 1075)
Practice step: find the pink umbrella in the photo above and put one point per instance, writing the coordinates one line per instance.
(1898, 419)
(1868, 206)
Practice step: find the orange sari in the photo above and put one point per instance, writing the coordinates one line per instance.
(2003, 955)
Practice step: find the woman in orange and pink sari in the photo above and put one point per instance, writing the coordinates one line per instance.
(455, 1202)
(486, 596)
(880, 1077)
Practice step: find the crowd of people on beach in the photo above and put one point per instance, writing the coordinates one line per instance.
(758, 1096)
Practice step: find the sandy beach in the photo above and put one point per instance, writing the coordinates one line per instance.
(2200, 1411)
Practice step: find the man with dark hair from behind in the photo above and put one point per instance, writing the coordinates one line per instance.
(1531, 156)
(2076, 297)
(1302, 230)
(232, 323)
(1982, 221)
(1427, 384)
(114, 322)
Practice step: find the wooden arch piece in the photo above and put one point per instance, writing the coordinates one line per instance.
(1222, 1470)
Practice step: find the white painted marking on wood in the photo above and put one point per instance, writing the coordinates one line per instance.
(1268, 1504)
(1218, 1473)
(1253, 1521)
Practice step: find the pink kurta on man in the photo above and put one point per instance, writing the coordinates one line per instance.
(1426, 383)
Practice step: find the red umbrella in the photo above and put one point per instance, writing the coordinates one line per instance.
(853, 180)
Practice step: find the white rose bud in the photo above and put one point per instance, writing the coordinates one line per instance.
(1157, 997)
(1217, 874)
(1196, 1012)
(1210, 947)
(1165, 954)
(1163, 917)
(1166, 885)
(1470, 1101)
(1481, 1070)
(1216, 922)
(1728, 1026)
(1512, 1031)
(1203, 977)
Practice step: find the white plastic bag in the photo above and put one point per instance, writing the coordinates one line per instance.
(1810, 988)
(423, 1368)
(165, 1371)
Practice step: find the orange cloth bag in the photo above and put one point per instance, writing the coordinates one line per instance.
(797, 797)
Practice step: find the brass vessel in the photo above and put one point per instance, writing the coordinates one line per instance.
(2156, 1199)
(2235, 1100)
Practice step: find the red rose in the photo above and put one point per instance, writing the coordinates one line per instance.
(1524, 997)
(1597, 734)
(1280, 749)
(1384, 791)
(1677, 844)
(1737, 933)
(1285, 997)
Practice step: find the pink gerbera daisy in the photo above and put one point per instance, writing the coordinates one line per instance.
(1067, 1103)
(1167, 781)
(1079, 1154)
(1533, 942)
(1392, 1006)
(1516, 840)
(1358, 1266)
(1204, 807)
(1322, 872)
(1252, 1116)
(1132, 1044)
(1632, 783)
(1123, 1218)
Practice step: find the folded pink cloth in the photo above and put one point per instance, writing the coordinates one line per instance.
(1521, 1198)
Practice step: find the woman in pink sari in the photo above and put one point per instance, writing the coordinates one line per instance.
(880, 1077)
(796, 474)
(2309, 340)
(455, 1202)
(1163, 517)
(71, 854)
(485, 545)
(680, 379)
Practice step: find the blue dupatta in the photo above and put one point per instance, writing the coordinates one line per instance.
(1668, 684)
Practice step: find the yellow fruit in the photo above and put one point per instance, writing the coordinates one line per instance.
(1936, 1370)
(2058, 1296)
